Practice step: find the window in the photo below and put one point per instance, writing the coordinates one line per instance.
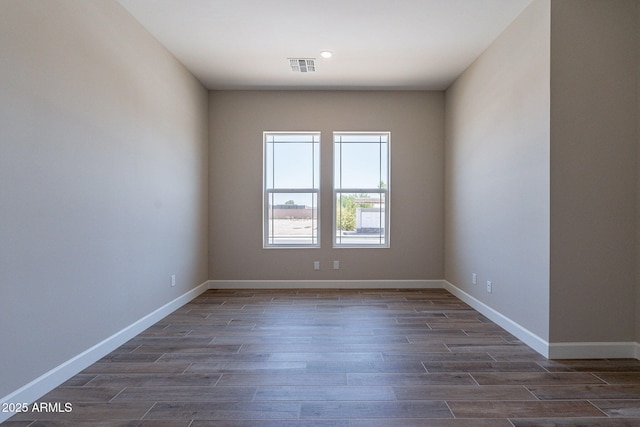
(291, 188)
(361, 189)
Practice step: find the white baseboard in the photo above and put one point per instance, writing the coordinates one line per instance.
(593, 350)
(53, 378)
(566, 350)
(326, 284)
(523, 334)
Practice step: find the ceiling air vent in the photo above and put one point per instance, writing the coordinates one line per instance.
(303, 65)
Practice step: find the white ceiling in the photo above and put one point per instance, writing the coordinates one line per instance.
(377, 44)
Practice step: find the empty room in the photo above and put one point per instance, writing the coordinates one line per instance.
(320, 213)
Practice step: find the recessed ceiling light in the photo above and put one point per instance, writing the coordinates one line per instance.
(326, 54)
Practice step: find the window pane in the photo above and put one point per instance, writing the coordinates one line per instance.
(363, 137)
(291, 186)
(292, 219)
(361, 188)
(362, 165)
(360, 218)
(291, 165)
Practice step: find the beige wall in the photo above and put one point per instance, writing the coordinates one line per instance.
(593, 170)
(582, 81)
(497, 173)
(237, 120)
(103, 180)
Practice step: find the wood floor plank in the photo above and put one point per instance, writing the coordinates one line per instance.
(622, 365)
(325, 393)
(401, 379)
(472, 366)
(154, 380)
(82, 394)
(322, 357)
(441, 357)
(234, 366)
(186, 394)
(534, 378)
(586, 391)
(523, 409)
(102, 423)
(79, 380)
(357, 366)
(224, 410)
(136, 368)
(619, 407)
(619, 377)
(431, 422)
(177, 347)
(272, 423)
(282, 379)
(377, 409)
(449, 393)
(573, 422)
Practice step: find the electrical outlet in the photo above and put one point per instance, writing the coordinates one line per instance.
(474, 278)
(316, 265)
(489, 286)
(336, 265)
(173, 280)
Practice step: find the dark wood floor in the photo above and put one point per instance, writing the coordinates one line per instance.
(339, 358)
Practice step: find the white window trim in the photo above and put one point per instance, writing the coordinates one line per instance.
(387, 217)
(266, 192)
